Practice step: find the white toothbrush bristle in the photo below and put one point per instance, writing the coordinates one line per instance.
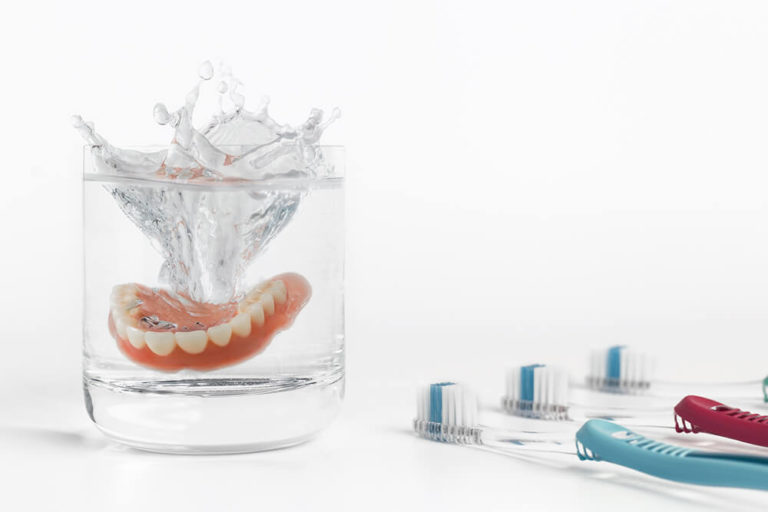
(537, 391)
(447, 412)
(620, 369)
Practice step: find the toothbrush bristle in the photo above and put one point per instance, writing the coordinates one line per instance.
(619, 369)
(447, 412)
(765, 389)
(537, 391)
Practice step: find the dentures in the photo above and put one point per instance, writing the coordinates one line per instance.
(165, 331)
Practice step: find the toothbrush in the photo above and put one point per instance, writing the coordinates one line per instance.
(623, 370)
(542, 392)
(765, 389)
(447, 412)
(603, 440)
(620, 369)
(694, 414)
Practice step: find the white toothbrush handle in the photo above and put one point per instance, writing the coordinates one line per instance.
(536, 441)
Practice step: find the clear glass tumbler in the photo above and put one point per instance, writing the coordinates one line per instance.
(262, 371)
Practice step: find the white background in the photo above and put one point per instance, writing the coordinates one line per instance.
(526, 180)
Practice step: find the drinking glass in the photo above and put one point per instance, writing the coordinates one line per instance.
(203, 394)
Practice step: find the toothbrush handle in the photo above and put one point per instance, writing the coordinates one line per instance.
(525, 440)
(701, 414)
(603, 440)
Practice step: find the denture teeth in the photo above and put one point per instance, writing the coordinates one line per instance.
(255, 308)
(257, 313)
(122, 329)
(123, 297)
(220, 334)
(279, 291)
(241, 324)
(192, 342)
(253, 295)
(161, 343)
(135, 336)
(268, 303)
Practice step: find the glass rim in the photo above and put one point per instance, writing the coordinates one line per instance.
(273, 183)
(165, 146)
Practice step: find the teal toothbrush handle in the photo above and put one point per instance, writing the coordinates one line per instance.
(604, 440)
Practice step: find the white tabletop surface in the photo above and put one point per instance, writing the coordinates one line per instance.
(368, 460)
(526, 180)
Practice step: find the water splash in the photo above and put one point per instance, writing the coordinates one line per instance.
(209, 235)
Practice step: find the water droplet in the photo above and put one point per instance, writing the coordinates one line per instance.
(262, 107)
(161, 115)
(191, 97)
(336, 113)
(206, 70)
(236, 143)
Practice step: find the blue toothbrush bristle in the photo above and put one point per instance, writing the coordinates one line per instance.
(619, 369)
(447, 412)
(537, 391)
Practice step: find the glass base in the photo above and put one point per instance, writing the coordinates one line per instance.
(254, 418)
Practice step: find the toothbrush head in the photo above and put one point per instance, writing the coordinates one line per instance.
(447, 412)
(619, 369)
(765, 389)
(537, 391)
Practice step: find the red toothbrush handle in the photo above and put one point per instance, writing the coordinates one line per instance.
(699, 414)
